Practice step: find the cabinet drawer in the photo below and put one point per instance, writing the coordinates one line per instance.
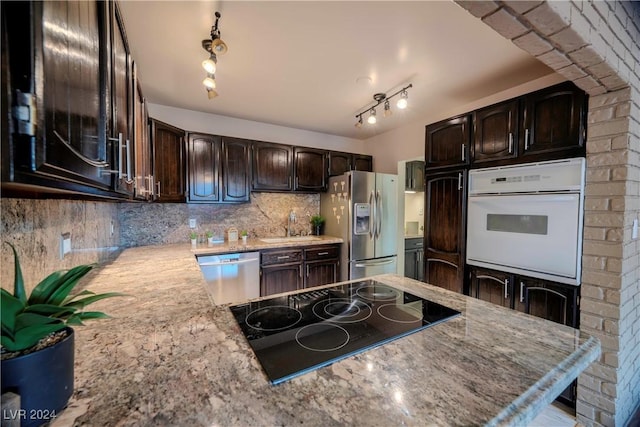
(324, 252)
(281, 256)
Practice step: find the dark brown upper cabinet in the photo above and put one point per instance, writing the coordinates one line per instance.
(310, 169)
(204, 167)
(414, 176)
(445, 195)
(143, 179)
(236, 169)
(121, 135)
(167, 144)
(447, 142)
(272, 167)
(553, 123)
(495, 135)
(339, 163)
(362, 162)
(59, 140)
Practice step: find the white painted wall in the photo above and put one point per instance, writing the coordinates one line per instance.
(407, 142)
(196, 121)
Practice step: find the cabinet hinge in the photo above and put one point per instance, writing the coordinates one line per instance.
(25, 113)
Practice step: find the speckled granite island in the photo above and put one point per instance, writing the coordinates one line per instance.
(170, 357)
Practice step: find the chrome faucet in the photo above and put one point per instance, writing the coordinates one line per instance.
(291, 219)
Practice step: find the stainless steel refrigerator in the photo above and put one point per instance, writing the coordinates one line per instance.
(361, 208)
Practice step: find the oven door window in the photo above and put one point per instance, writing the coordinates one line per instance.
(530, 232)
(528, 224)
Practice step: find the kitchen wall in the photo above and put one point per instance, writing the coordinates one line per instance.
(414, 213)
(196, 121)
(34, 228)
(266, 215)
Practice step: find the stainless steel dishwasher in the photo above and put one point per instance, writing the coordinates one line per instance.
(231, 278)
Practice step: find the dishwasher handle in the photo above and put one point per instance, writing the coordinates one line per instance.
(227, 262)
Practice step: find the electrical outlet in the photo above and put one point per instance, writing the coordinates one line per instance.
(192, 223)
(634, 229)
(421, 211)
(65, 244)
(112, 228)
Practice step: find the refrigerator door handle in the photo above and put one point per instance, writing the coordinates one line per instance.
(378, 214)
(371, 264)
(372, 231)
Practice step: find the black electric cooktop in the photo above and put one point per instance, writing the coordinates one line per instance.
(294, 334)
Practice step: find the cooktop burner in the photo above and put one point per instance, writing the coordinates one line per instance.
(294, 334)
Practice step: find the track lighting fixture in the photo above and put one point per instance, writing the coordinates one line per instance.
(215, 46)
(380, 98)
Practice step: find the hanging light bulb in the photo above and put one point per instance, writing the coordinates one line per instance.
(359, 122)
(387, 109)
(211, 93)
(372, 117)
(210, 64)
(210, 81)
(402, 102)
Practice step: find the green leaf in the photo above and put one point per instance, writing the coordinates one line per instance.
(81, 303)
(45, 288)
(77, 318)
(25, 320)
(18, 282)
(71, 297)
(29, 336)
(10, 307)
(50, 310)
(67, 283)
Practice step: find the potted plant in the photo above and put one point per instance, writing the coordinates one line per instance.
(317, 222)
(209, 237)
(37, 340)
(194, 238)
(244, 235)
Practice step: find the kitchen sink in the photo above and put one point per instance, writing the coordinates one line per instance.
(289, 239)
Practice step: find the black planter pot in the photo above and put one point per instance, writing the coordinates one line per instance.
(43, 379)
(317, 230)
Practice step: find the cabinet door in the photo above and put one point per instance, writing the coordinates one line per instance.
(411, 264)
(445, 195)
(447, 142)
(492, 286)
(321, 272)
(278, 278)
(495, 132)
(121, 103)
(272, 167)
(549, 300)
(339, 163)
(362, 163)
(72, 142)
(310, 169)
(204, 168)
(553, 123)
(168, 162)
(236, 170)
(414, 176)
(143, 182)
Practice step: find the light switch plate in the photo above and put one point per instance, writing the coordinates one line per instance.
(192, 223)
(65, 244)
(634, 229)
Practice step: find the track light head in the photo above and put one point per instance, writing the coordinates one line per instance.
(387, 108)
(372, 117)
(402, 102)
(359, 122)
(210, 64)
(210, 81)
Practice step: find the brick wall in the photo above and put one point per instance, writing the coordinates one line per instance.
(596, 45)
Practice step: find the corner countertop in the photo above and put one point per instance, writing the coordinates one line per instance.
(255, 244)
(169, 357)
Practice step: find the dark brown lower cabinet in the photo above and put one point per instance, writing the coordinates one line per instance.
(541, 298)
(322, 265)
(414, 259)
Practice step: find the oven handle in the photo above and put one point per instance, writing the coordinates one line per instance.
(526, 139)
(510, 142)
(521, 291)
(459, 181)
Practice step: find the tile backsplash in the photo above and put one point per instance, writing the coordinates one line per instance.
(265, 215)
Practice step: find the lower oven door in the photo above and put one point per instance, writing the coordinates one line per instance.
(527, 233)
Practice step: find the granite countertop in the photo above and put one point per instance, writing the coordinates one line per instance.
(169, 357)
(255, 244)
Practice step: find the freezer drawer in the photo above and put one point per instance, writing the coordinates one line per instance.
(372, 267)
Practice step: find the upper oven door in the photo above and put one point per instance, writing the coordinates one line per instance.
(532, 232)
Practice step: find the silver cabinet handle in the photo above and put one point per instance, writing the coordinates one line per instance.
(300, 270)
(526, 139)
(283, 257)
(510, 142)
(418, 244)
(521, 291)
(307, 270)
(506, 288)
(158, 187)
(459, 180)
(323, 253)
(463, 152)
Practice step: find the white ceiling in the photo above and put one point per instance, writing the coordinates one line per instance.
(297, 63)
